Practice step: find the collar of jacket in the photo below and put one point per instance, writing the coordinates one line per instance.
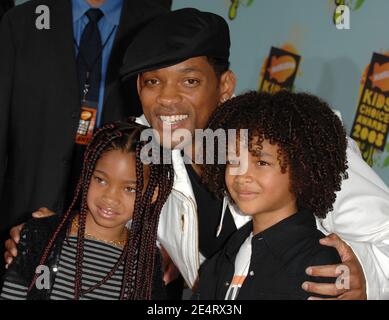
(279, 238)
(181, 179)
(240, 219)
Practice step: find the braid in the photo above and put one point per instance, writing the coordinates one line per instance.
(147, 200)
(64, 222)
(132, 259)
(90, 161)
(138, 254)
(140, 268)
(144, 253)
(165, 185)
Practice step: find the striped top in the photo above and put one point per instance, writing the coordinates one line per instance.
(99, 259)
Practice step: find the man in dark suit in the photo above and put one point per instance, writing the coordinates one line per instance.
(5, 5)
(40, 96)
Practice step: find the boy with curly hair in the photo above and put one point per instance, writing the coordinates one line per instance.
(293, 164)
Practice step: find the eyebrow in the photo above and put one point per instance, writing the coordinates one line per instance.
(103, 173)
(265, 154)
(260, 154)
(189, 69)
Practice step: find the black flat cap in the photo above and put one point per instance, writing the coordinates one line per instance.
(175, 37)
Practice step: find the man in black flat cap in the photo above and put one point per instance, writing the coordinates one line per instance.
(183, 96)
(5, 5)
(183, 76)
(181, 62)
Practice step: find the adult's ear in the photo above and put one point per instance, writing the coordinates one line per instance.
(138, 84)
(227, 85)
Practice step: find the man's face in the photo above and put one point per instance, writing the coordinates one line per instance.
(182, 96)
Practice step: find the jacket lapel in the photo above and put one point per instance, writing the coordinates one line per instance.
(62, 46)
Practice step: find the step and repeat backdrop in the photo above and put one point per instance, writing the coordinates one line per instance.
(336, 49)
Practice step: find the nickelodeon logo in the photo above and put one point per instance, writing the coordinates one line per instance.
(282, 68)
(279, 70)
(380, 76)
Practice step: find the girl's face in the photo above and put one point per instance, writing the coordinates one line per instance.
(111, 194)
(261, 188)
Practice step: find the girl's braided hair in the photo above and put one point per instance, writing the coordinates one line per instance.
(138, 254)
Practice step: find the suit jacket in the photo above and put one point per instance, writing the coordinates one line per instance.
(40, 102)
(5, 5)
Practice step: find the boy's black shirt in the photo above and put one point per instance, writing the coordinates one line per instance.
(280, 255)
(209, 209)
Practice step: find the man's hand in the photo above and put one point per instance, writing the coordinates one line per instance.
(355, 288)
(42, 213)
(170, 271)
(11, 244)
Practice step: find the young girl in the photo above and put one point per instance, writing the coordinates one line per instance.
(295, 160)
(89, 253)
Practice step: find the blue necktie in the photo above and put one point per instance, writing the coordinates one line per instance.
(89, 58)
(89, 75)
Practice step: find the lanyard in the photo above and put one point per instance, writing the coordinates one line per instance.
(89, 68)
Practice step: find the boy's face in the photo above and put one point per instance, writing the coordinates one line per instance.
(263, 188)
(182, 96)
(111, 194)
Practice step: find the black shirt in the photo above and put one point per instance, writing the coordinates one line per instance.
(209, 209)
(279, 257)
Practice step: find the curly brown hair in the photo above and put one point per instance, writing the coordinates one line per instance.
(311, 140)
